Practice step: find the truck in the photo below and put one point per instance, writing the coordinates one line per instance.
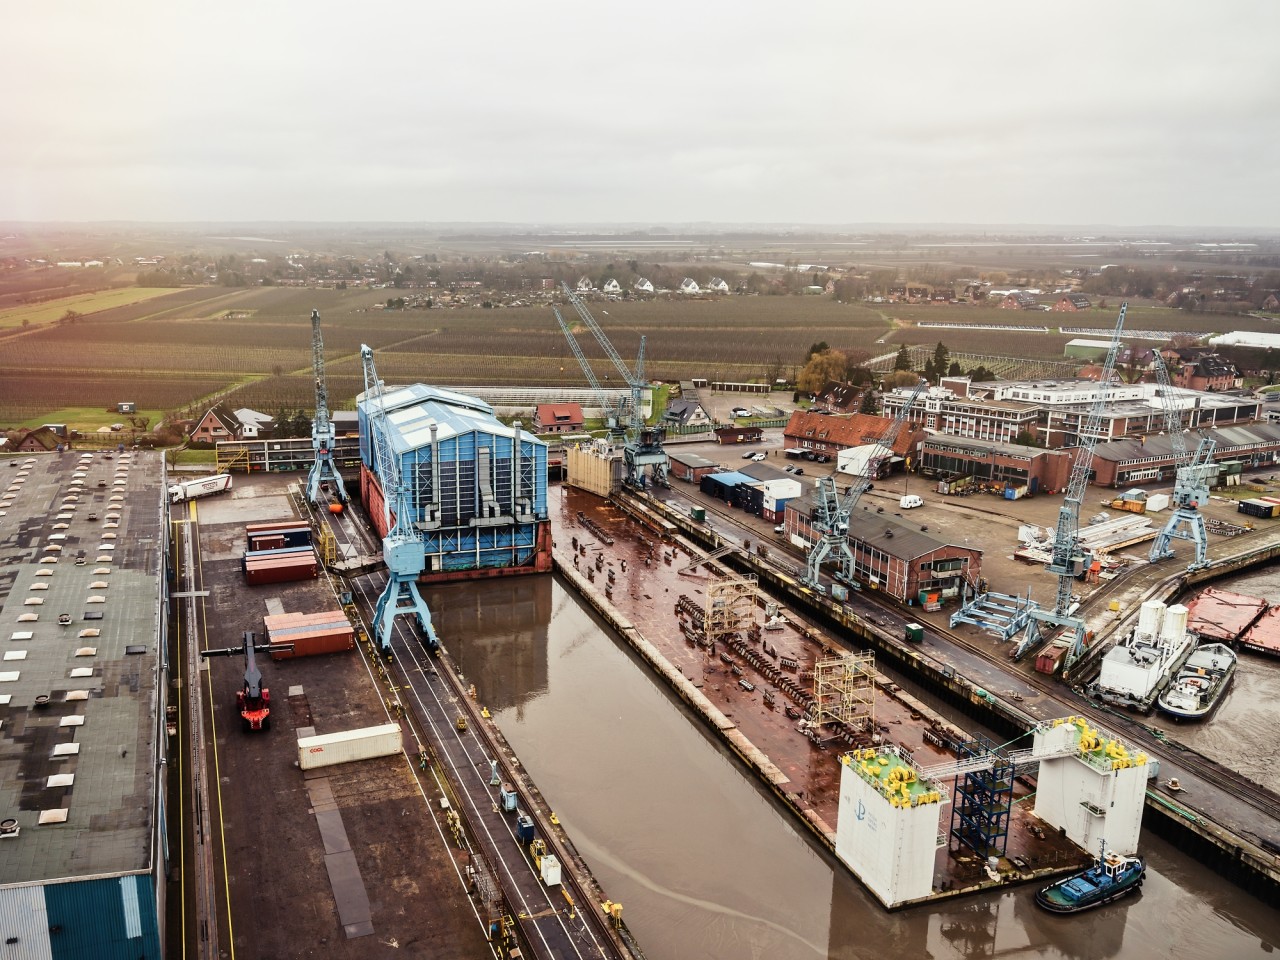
(190, 489)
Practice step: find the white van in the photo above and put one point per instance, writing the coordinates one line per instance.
(910, 502)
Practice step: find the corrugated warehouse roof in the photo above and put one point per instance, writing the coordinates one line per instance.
(895, 537)
(412, 409)
(78, 765)
(691, 460)
(1159, 445)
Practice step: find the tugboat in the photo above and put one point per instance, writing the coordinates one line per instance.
(1111, 877)
(1200, 684)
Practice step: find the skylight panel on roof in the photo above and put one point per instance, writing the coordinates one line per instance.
(55, 815)
(66, 749)
(71, 721)
(81, 672)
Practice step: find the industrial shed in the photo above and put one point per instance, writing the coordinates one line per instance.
(84, 860)
(690, 466)
(478, 487)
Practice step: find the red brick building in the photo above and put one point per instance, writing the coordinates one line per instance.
(827, 434)
(996, 464)
(1072, 303)
(895, 557)
(1019, 301)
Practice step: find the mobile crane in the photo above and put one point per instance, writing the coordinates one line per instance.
(253, 700)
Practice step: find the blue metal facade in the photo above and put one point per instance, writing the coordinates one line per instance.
(103, 919)
(476, 503)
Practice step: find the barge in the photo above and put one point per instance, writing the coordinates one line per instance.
(1136, 670)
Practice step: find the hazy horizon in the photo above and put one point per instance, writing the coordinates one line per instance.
(934, 115)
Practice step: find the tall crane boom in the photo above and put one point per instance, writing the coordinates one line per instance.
(611, 409)
(831, 514)
(1066, 561)
(403, 549)
(1192, 476)
(323, 434)
(642, 448)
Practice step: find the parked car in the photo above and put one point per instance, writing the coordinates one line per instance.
(780, 529)
(749, 455)
(757, 457)
(910, 502)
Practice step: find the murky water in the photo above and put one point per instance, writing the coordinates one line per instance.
(1241, 734)
(703, 861)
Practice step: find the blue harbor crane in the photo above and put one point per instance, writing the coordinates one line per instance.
(403, 549)
(323, 470)
(642, 446)
(1195, 471)
(1067, 559)
(831, 514)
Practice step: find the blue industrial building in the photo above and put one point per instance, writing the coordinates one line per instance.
(478, 487)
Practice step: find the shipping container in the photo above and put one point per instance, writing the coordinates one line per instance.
(915, 633)
(550, 869)
(1050, 658)
(1258, 508)
(272, 526)
(280, 571)
(699, 514)
(287, 552)
(309, 634)
(1157, 502)
(349, 746)
(296, 536)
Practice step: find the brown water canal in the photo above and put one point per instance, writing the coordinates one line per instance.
(707, 865)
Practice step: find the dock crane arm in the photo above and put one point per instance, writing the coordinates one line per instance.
(403, 549)
(323, 433)
(1065, 560)
(1193, 474)
(612, 413)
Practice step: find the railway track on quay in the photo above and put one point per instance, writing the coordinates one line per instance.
(551, 922)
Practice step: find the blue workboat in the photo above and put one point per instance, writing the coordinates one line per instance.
(1111, 877)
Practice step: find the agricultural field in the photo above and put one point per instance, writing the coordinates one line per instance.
(85, 303)
(177, 352)
(1139, 316)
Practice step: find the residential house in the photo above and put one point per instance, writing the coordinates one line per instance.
(1272, 303)
(686, 413)
(558, 418)
(1209, 372)
(217, 424)
(717, 285)
(689, 285)
(1072, 302)
(837, 397)
(1017, 300)
(611, 286)
(584, 285)
(642, 286)
(253, 425)
(39, 440)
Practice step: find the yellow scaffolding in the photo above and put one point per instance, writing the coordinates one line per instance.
(844, 690)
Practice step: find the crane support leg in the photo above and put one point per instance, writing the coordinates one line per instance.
(401, 596)
(321, 470)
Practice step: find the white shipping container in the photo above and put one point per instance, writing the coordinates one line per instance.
(348, 746)
(1157, 502)
(550, 870)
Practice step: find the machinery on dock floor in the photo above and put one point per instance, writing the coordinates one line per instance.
(402, 547)
(1195, 471)
(253, 700)
(831, 513)
(642, 443)
(323, 471)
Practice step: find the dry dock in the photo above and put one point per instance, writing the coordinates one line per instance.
(755, 691)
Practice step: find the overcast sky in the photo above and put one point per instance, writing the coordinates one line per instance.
(1116, 112)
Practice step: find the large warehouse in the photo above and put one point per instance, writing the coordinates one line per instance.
(478, 487)
(82, 757)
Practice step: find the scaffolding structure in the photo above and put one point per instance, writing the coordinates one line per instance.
(731, 608)
(983, 800)
(844, 690)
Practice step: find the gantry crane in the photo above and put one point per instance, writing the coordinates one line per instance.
(831, 514)
(1067, 560)
(642, 447)
(323, 433)
(1191, 482)
(403, 549)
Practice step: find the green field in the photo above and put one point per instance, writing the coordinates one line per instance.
(51, 310)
